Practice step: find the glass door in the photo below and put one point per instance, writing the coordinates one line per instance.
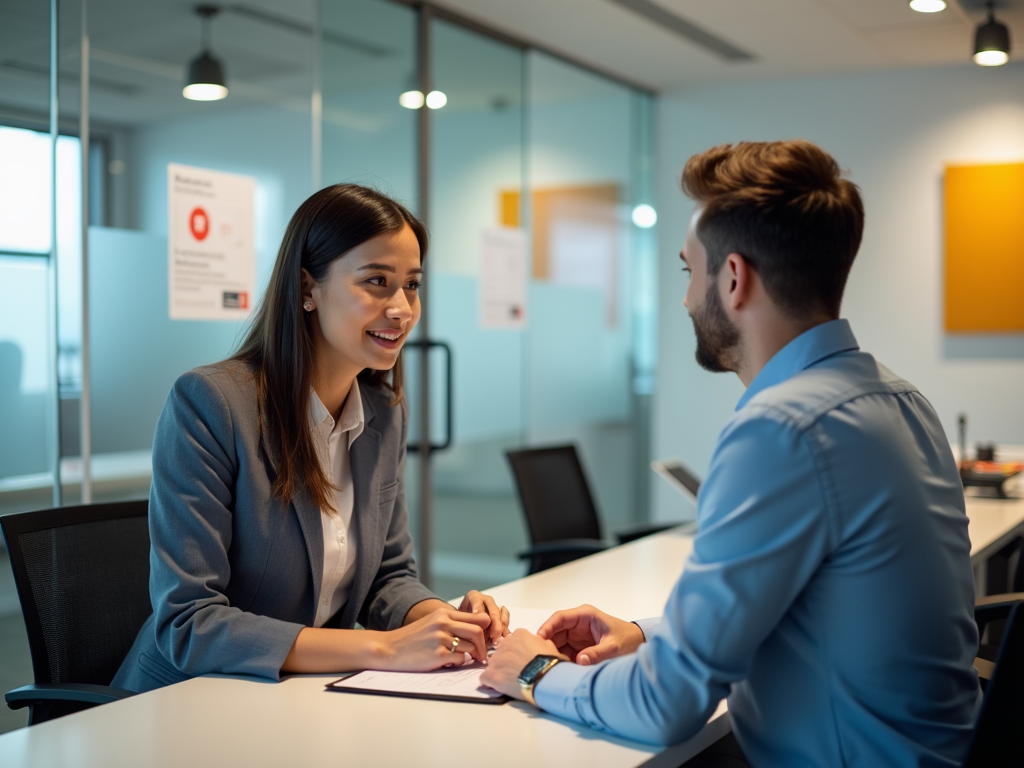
(527, 169)
(478, 164)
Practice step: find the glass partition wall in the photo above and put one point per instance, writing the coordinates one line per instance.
(520, 160)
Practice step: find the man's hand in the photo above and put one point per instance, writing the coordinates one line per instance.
(587, 635)
(514, 652)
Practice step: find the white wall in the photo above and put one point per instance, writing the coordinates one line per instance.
(893, 132)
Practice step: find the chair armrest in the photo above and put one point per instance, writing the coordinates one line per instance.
(995, 607)
(589, 546)
(635, 532)
(28, 695)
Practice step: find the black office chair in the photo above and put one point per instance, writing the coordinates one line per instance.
(996, 739)
(82, 575)
(560, 511)
(1002, 576)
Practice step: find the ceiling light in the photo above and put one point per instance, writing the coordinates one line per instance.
(644, 216)
(415, 100)
(991, 42)
(206, 81)
(411, 99)
(436, 99)
(927, 6)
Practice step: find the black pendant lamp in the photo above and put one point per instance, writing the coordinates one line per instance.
(206, 81)
(991, 42)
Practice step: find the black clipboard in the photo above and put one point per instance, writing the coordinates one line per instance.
(333, 686)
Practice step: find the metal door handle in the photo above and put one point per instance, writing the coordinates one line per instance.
(425, 345)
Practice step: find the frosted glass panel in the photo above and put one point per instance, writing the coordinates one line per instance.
(580, 351)
(24, 379)
(368, 137)
(137, 350)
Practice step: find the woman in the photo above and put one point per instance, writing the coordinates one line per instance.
(277, 510)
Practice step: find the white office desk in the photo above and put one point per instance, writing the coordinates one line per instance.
(994, 523)
(226, 721)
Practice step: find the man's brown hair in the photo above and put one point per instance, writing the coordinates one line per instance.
(786, 208)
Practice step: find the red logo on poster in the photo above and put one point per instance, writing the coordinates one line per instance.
(199, 224)
(243, 301)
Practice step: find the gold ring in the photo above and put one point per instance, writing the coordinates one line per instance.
(455, 644)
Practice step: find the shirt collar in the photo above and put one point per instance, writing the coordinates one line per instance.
(351, 420)
(805, 350)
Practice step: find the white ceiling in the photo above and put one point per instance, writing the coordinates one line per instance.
(140, 48)
(787, 37)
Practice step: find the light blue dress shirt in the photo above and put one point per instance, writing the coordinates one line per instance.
(829, 594)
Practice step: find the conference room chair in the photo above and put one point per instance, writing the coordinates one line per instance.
(996, 740)
(560, 512)
(82, 575)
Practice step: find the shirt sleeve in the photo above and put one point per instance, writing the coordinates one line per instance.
(648, 626)
(764, 529)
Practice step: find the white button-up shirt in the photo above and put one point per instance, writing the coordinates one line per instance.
(333, 441)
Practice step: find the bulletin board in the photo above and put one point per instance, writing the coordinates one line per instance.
(984, 248)
(577, 233)
(598, 200)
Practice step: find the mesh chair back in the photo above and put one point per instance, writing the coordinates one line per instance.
(996, 740)
(82, 575)
(554, 492)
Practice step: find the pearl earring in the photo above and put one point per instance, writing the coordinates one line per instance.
(308, 306)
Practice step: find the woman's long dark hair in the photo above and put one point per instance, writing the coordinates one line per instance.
(279, 345)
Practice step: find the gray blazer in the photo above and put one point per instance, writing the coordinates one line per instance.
(235, 572)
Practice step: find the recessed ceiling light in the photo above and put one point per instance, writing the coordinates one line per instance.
(436, 99)
(644, 216)
(411, 99)
(927, 6)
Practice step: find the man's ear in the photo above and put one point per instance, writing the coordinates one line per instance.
(738, 279)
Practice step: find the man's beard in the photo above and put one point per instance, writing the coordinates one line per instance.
(717, 337)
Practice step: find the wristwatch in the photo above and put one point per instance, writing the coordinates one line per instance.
(533, 672)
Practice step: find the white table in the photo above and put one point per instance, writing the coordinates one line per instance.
(229, 721)
(994, 523)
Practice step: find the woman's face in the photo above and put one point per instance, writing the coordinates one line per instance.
(367, 305)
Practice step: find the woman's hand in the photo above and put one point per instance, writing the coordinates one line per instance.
(474, 602)
(436, 640)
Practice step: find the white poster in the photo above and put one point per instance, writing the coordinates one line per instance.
(211, 256)
(503, 278)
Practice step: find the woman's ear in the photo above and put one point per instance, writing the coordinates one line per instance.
(307, 285)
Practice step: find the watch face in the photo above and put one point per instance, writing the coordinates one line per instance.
(530, 670)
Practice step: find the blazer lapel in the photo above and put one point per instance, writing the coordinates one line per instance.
(365, 518)
(309, 521)
(313, 532)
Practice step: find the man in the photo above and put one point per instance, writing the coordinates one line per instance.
(829, 592)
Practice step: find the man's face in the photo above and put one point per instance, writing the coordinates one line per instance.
(717, 337)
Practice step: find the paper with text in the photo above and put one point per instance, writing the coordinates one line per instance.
(460, 682)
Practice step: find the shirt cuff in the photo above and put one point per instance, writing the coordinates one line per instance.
(648, 626)
(555, 691)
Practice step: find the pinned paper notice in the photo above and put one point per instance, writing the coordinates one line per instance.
(211, 256)
(503, 278)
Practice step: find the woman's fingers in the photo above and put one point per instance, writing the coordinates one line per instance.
(471, 639)
(475, 602)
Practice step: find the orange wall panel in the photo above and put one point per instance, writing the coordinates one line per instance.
(984, 238)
